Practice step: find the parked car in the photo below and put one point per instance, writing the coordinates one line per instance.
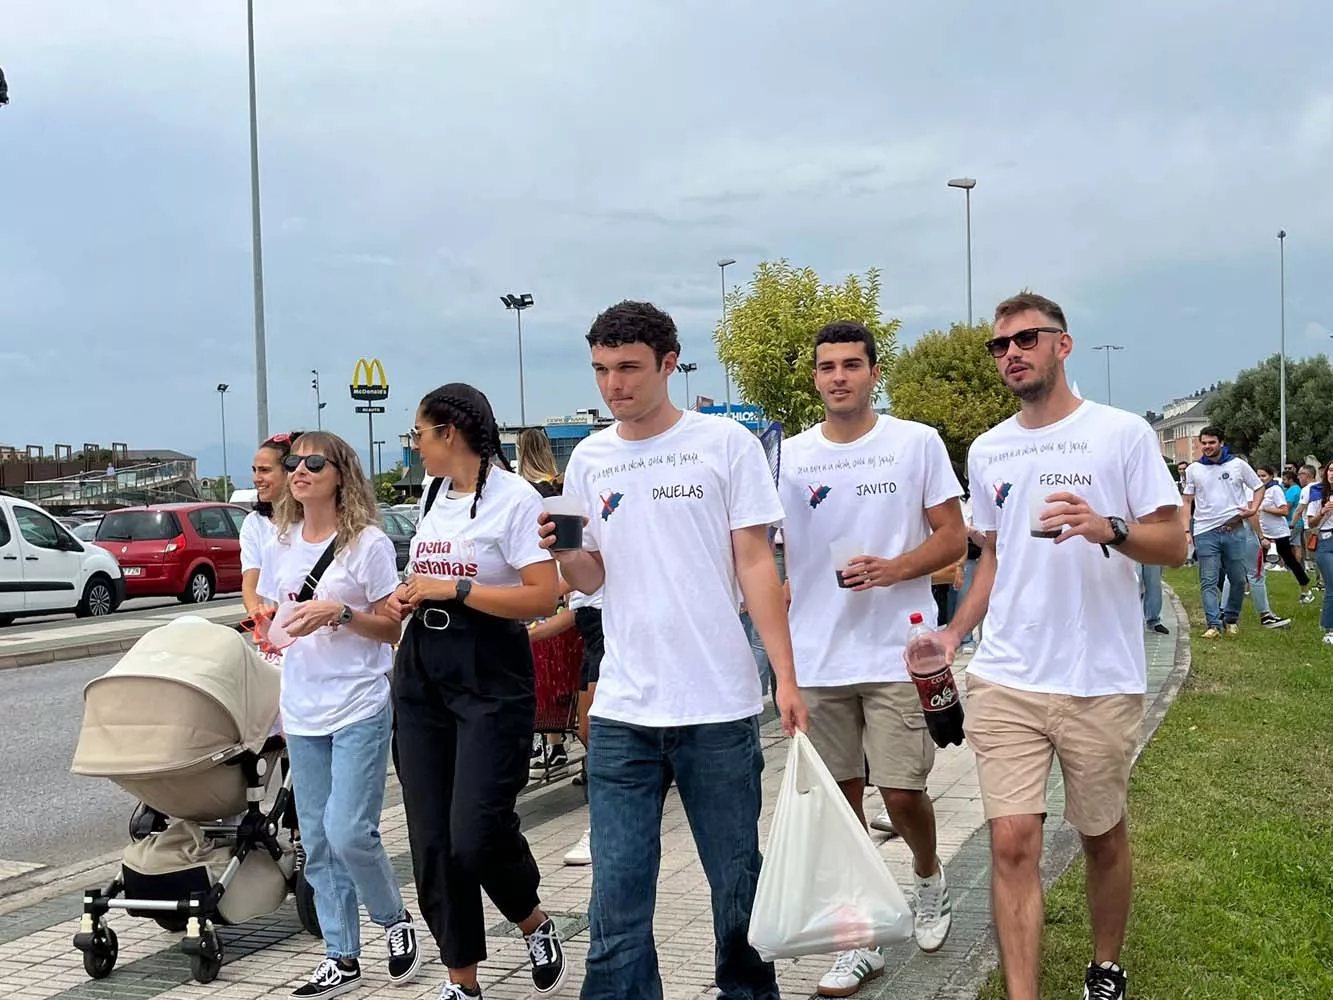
(44, 569)
(400, 531)
(86, 531)
(188, 550)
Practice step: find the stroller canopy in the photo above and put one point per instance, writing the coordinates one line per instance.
(187, 696)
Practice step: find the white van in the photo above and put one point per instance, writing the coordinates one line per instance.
(46, 570)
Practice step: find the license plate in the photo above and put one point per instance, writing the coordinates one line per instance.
(134, 571)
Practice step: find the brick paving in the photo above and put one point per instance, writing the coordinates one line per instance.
(266, 957)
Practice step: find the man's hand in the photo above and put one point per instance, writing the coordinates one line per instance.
(950, 640)
(546, 534)
(865, 572)
(426, 588)
(1072, 513)
(791, 708)
(311, 616)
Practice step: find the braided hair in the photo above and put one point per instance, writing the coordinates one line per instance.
(468, 411)
(282, 444)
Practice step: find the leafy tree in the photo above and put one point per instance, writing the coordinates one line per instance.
(1247, 411)
(223, 488)
(768, 343)
(385, 492)
(948, 380)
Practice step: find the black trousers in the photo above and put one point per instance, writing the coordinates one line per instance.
(1288, 556)
(465, 710)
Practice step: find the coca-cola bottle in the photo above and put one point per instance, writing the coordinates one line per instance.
(934, 683)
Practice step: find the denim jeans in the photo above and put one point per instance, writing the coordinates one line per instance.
(1258, 584)
(339, 784)
(717, 770)
(1219, 550)
(1323, 557)
(766, 678)
(969, 571)
(1150, 578)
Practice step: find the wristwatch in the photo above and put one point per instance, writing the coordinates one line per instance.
(345, 616)
(1119, 530)
(461, 589)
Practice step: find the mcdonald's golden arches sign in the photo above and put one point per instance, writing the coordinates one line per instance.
(368, 380)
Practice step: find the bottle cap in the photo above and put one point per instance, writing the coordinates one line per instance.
(916, 618)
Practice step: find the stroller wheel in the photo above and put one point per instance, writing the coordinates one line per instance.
(305, 906)
(100, 958)
(206, 962)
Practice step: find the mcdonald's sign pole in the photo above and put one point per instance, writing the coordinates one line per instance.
(369, 385)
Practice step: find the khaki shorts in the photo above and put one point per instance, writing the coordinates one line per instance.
(1014, 735)
(880, 723)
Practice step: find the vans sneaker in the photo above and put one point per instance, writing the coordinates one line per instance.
(404, 956)
(330, 979)
(1104, 982)
(851, 970)
(548, 958)
(1270, 620)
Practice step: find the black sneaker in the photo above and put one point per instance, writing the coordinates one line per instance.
(1271, 620)
(548, 958)
(452, 991)
(404, 956)
(330, 979)
(1104, 982)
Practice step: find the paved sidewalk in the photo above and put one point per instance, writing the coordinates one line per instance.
(267, 957)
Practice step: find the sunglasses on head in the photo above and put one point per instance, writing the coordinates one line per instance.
(314, 463)
(1025, 339)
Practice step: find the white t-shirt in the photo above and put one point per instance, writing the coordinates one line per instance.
(1065, 619)
(257, 532)
(332, 677)
(578, 599)
(1306, 505)
(1220, 492)
(875, 489)
(1274, 525)
(490, 549)
(661, 512)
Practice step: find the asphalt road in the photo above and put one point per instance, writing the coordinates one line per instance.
(138, 607)
(49, 815)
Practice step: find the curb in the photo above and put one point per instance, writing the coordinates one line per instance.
(73, 651)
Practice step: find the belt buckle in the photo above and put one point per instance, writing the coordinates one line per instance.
(426, 619)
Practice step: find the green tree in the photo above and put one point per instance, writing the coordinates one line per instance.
(222, 488)
(385, 491)
(947, 380)
(1247, 410)
(768, 343)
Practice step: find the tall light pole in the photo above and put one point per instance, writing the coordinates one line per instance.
(319, 403)
(1108, 348)
(686, 368)
(222, 403)
(379, 455)
(967, 184)
(518, 303)
(261, 351)
(1282, 356)
(722, 266)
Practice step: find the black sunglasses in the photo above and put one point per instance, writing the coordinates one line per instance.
(1025, 339)
(315, 463)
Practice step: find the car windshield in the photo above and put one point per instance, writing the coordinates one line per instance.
(87, 531)
(138, 526)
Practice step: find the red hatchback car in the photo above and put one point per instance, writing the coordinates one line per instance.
(191, 551)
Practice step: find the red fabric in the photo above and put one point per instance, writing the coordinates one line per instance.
(556, 664)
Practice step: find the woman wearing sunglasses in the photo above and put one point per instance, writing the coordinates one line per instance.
(257, 529)
(335, 700)
(464, 692)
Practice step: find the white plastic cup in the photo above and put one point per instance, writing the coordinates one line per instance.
(843, 551)
(1038, 505)
(566, 514)
(278, 637)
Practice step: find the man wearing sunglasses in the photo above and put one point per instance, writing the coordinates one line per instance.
(1070, 495)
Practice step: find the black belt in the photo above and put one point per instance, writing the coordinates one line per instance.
(455, 616)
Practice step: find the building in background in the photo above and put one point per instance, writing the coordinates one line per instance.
(1181, 421)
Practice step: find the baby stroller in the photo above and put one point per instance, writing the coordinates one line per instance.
(185, 722)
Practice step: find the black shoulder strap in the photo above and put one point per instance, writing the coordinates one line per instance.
(316, 571)
(431, 494)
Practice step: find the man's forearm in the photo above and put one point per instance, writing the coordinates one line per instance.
(767, 609)
(973, 607)
(583, 571)
(942, 549)
(1156, 543)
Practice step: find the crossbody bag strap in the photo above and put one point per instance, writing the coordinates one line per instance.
(316, 571)
(431, 494)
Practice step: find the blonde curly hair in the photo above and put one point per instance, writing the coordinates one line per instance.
(355, 499)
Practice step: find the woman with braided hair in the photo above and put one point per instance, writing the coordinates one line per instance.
(257, 529)
(464, 691)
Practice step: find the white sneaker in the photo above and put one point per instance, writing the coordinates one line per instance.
(934, 913)
(851, 970)
(883, 824)
(580, 853)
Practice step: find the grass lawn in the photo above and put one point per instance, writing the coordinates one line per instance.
(1231, 816)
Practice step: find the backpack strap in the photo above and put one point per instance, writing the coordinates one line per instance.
(316, 571)
(431, 494)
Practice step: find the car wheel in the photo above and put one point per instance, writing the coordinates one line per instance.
(98, 599)
(200, 588)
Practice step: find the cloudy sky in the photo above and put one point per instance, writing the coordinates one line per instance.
(419, 158)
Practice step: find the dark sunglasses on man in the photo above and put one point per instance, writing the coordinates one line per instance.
(315, 463)
(1025, 339)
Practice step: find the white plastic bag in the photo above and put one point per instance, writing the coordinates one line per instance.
(823, 887)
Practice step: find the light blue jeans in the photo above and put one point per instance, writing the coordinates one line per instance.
(1323, 557)
(1258, 584)
(339, 785)
(1215, 550)
(1150, 579)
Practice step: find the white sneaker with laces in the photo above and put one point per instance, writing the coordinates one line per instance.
(580, 853)
(851, 970)
(934, 912)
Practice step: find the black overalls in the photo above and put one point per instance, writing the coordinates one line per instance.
(463, 695)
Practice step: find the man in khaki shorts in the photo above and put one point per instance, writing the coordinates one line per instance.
(886, 486)
(1070, 494)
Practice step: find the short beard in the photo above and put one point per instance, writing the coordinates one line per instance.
(1035, 391)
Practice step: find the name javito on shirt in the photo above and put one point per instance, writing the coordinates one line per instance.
(443, 558)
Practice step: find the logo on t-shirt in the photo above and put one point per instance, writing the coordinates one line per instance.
(818, 494)
(445, 558)
(1001, 493)
(610, 503)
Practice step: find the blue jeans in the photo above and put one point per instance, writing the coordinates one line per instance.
(1258, 584)
(766, 680)
(1151, 579)
(1217, 550)
(1323, 557)
(969, 570)
(717, 770)
(339, 783)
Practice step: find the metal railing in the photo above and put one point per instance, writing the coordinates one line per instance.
(93, 487)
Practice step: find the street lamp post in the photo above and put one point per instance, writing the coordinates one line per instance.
(1108, 348)
(222, 403)
(1282, 356)
(687, 368)
(518, 303)
(319, 403)
(261, 350)
(722, 266)
(379, 454)
(967, 184)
